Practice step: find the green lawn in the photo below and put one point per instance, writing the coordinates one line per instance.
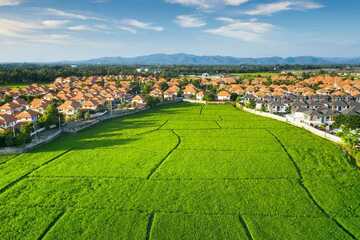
(256, 74)
(182, 172)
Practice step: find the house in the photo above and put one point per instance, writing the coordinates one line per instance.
(277, 107)
(156, 93)
(20, 102)
(49, 97)
(236, 88)
(339, 106)
(69, 108)
(27, 116)
(138, 100)
(189, 91)
(200, 96)
(78, 97)
(39, 105)
(223, 96)
(7, 121)
(353, 110)
(171, 93)
(11, 108)
(90, 105)
(319, 117)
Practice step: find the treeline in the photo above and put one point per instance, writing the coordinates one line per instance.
(34, 73)
(28, 73)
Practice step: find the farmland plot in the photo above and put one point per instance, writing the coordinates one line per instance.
(182, 172)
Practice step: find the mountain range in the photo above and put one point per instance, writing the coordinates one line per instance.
(188, 59)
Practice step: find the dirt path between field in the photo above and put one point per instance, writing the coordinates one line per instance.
(11, 184)
(308, 192)
(51, 225)
(152, 172)
(246, 228)
(149, 225)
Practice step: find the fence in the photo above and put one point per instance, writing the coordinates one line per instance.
(313, 130)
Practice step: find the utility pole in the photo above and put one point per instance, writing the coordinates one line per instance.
(59, 121)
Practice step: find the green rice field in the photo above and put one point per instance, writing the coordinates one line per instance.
(182, 172)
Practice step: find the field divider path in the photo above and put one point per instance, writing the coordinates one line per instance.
(149, 225)
(12, 158)
(11, 184)
(51, 225)
(218, 124)
(166, 157)
(167, 178)
(235, 213)
(308, 192)
(246, 228)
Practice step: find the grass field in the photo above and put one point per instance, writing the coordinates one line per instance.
(182, 172)
(256, 74)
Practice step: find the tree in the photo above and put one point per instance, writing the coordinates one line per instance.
(196, 83)
(349, 136)
(50, 116)
(164, 86)
(87, 115)
(239, 98)
(152, 101)
(268, 81)
(135, 88)
(3, 134)
(180, 93)
(263, 108)
(348, 121)
(288, 110)
(234, 96)
(146, 88)
(250, 104)
(24, 134)
(209, 96)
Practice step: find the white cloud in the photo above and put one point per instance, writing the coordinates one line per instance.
(235, 2)
(81, 28)
(189, 21)
(29, 31)
(54, 23)
(61, 13)
(242, 30)
(207, 4)
(132, 25)
(10, 2)
(268, 9)
(88, 28)
(12, 28)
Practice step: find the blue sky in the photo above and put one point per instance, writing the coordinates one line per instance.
(53, 30)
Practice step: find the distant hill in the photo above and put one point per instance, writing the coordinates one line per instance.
(188, 59)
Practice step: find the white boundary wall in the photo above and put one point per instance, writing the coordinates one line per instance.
(313, 130)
